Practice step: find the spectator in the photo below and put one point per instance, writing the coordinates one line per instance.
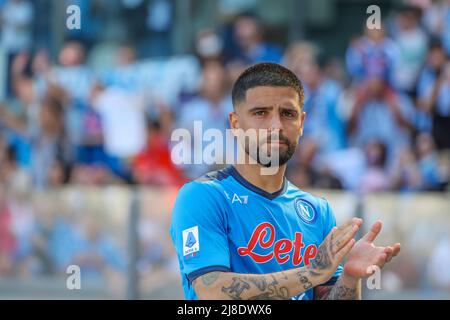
(248, 35)
(208, 45)
(428, 162)
(96, 253)
(210, 107)
(122, 115)
(307, 172)
(16, 33)
(375, 177)
(16, 20)
(125, 73)
(325, 125)
(434, 96)
(405, 172)
(372, 55)
(435, 62)
(72, 74)
(412, 44)
(434, 17)
(153, 165)
(380, 113)
(49, 143)
(11, 173)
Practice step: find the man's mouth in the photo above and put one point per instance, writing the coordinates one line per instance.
(277, 142)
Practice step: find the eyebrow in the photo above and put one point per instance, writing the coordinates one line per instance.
(288, 107)
(260, 108)
(284, 107)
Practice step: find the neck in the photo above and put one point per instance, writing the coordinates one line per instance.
(269, 183)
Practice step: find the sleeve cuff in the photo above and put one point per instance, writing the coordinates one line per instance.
(199, 272)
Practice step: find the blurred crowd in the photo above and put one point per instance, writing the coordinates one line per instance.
(102, 114)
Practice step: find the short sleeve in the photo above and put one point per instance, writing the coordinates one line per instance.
(199, 230)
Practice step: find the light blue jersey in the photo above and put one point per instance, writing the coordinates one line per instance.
(221, 222)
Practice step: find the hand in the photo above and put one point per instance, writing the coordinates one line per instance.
(333, 249)
(365, 254)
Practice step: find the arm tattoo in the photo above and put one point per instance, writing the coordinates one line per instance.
(209, 278)
(273, 292)
(235, 289)
(259, 282)
(341, 292)
(269, 289)
(304, 280)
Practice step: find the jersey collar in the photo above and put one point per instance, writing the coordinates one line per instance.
(231, 170)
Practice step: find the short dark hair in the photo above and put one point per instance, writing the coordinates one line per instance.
(266, 74)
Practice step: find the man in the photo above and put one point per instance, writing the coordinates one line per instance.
(240, 234)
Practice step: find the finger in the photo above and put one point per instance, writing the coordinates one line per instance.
(381, 260)
(397, 248)
(341, 241)
(357, 221)
(374, 231)
(389, 251)
(340, 231)
(344, 251)
(347, 227)
(392, 251)
(344, 226)
(331, 233)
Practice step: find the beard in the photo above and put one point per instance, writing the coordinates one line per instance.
(266, 160)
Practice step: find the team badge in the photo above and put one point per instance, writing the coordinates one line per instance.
(305, 211)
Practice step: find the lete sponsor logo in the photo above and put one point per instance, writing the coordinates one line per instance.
(282, 250)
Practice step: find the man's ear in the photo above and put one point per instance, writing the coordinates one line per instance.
(234, 121)
(303, 116)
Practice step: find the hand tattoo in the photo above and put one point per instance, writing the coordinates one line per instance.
(323, 257)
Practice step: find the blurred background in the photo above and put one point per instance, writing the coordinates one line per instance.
(86, 115)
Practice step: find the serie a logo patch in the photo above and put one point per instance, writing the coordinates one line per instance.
(191, 242)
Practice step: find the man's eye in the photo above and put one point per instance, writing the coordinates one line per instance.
(288, 114)
(260, 113)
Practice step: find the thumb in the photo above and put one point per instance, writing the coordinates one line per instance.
(373, 232)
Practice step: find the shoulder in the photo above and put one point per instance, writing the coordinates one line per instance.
(208, 187)
(201, 202)
(319, 204)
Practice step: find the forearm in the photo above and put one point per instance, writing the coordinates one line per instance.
(271, 286)
(345, 288)
(283, 284)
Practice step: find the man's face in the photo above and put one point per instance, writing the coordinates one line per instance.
(278, 111)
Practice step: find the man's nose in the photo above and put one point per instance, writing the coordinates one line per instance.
(275, 123)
